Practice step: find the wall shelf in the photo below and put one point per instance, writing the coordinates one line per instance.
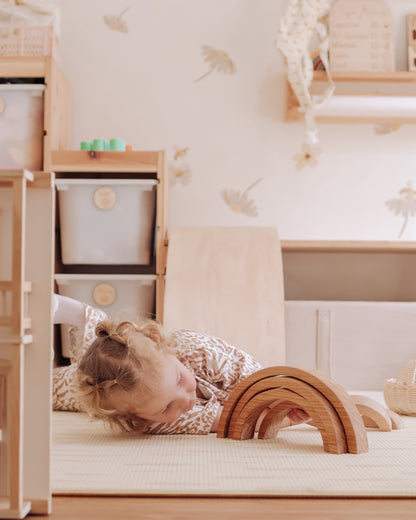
(347, 246)
(398, 76)
(361, 97)
(108, 161)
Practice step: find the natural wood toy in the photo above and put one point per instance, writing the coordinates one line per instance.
(374, 415)
(263, 400)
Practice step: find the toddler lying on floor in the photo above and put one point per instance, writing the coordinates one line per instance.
(134, 377)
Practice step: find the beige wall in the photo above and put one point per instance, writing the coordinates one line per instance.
(140, 85)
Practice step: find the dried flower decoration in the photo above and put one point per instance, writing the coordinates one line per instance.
(405, 206)
(308, 156)
(387, 128)
(116, 23)
(218, 60)
(180, 152)
(239, 202)
(180, 170)
(180, 173)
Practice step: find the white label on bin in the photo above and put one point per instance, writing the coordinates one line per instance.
(104, 294)
(2, 105)
(105, 198)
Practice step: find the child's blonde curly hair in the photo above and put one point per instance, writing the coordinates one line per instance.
(124, 356)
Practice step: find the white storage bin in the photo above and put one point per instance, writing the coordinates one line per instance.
(359, 344)
(21, 126)
(119, 296)
(106, 221)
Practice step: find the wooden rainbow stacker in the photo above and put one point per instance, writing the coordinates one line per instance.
(264, 399)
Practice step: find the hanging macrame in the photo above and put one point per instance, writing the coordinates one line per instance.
(299, 23)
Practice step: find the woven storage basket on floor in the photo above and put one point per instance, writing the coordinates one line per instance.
(400, 393)
(28, 40)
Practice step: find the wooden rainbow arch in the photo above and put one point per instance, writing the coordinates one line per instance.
(268, 395)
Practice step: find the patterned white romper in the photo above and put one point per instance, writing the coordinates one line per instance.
(216, 365)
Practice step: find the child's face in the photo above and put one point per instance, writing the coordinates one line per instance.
(175, 394)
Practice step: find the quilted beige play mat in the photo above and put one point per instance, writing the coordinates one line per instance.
(89, 459)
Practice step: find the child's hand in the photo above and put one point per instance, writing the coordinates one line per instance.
(295, 416)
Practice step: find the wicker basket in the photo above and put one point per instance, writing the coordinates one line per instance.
(28, 40)
(400, 393)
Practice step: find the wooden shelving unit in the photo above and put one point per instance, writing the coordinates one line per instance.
(131, 164)
(372, 84)
(57, 103)
(27, 459)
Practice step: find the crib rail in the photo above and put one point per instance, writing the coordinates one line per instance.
(14, 319)
(6, 294)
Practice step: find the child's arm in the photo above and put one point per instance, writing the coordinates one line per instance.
(81, 336)
(68, 310)
(213, 360)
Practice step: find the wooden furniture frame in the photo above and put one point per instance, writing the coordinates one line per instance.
(398, 83)
(28, 412)
(144, 164)
(25, 363)
(57, 105)
(11, 369)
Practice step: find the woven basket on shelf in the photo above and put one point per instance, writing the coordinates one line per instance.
(28, 40)
(400, 393)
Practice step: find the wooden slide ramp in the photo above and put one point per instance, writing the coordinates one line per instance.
(228, 282)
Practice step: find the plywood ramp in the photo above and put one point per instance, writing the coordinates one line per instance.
(228, 282)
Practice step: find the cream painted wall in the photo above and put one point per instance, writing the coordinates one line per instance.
(139, 86)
